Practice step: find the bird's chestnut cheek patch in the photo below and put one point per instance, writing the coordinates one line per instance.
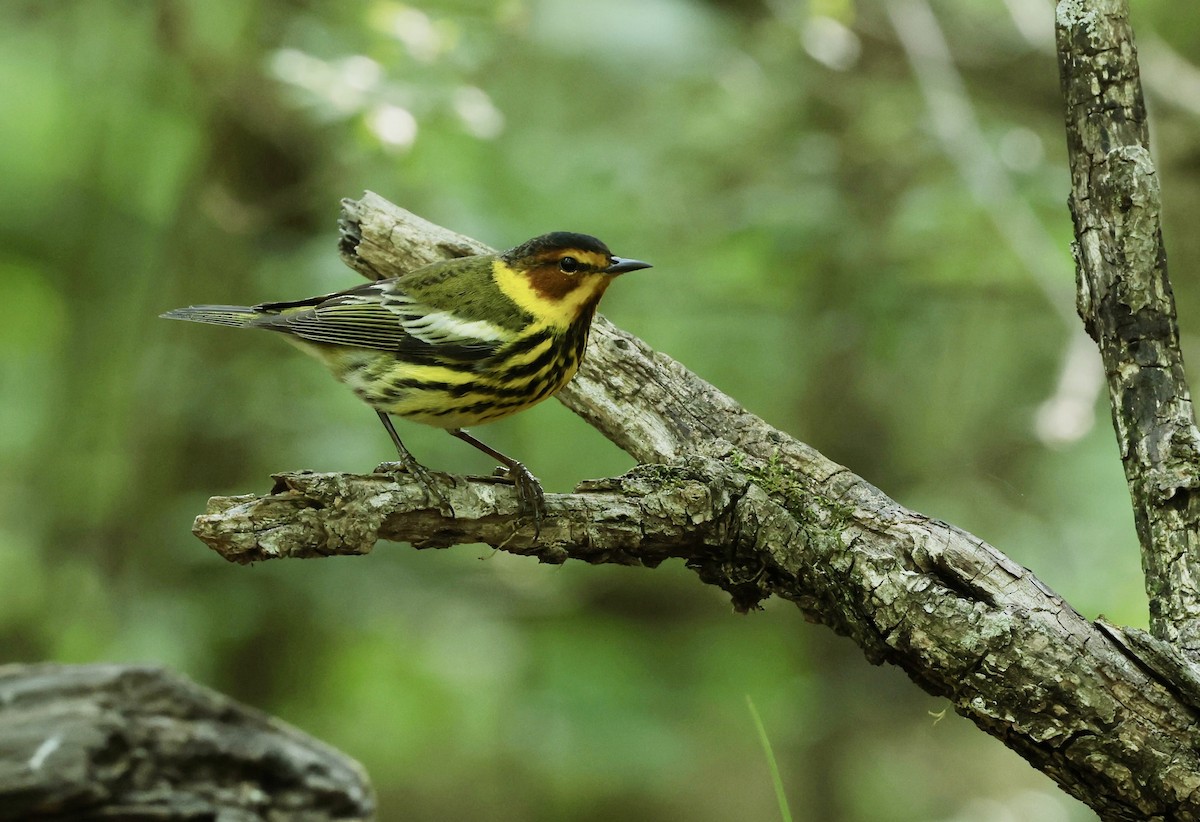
(553, 284)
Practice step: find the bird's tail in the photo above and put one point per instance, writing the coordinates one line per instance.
(236, 316)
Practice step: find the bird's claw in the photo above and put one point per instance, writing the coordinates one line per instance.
(531, 499)
(422, 475)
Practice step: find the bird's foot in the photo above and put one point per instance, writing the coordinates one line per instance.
(531, 500)
(422, 475)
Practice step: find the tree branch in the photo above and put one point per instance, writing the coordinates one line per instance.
(1127, 306)
(652, 513)
(127, 742)
(758, 513)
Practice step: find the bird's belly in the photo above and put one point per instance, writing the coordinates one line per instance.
(445, 396)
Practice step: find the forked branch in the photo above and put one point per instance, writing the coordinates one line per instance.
(758, 513)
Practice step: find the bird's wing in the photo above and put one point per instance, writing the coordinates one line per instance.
(384, 316)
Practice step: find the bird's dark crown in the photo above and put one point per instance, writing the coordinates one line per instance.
(557, 241)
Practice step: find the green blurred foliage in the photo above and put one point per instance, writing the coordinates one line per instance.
(819, 254)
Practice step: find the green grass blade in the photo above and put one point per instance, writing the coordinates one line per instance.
(784, 811)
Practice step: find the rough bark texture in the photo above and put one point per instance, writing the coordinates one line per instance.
(1127, 306)
(96, 742)
(1108, 714)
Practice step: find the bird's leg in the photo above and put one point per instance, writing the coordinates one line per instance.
(409, 463)
(529, 491)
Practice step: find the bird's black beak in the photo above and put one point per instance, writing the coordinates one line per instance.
(620, 265)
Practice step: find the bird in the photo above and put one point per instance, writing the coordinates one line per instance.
(455, 343)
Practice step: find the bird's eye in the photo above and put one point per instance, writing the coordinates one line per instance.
(568, 265)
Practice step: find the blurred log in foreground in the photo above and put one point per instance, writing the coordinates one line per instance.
(106, 741)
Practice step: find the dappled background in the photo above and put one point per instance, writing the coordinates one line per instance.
(856, 212)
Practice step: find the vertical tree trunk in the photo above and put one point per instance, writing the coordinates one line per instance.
(1125, 300)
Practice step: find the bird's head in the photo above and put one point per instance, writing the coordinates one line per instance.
(560, 275)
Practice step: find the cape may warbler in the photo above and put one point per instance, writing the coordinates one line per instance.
(455, 343)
